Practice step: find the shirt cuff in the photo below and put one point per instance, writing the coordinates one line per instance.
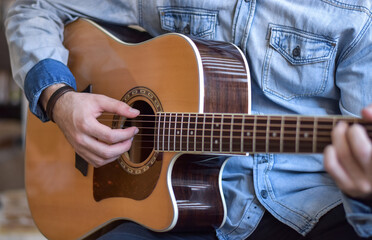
(44, 74)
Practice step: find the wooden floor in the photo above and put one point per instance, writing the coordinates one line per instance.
(15, 218)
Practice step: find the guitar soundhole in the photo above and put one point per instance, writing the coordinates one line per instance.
(142, 155)
(143, 142)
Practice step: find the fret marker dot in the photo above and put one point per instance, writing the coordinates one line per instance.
(178, 132)
(306, 135)
(248, 134)
(274, 134)
(217, 125)
(191, 132)
(216, 141)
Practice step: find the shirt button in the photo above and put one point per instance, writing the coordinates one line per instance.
(186, 30)
(263, 194)
(296, 52)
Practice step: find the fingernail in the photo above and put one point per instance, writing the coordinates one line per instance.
(136, 131)
(133, 110)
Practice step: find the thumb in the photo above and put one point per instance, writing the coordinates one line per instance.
(111, 105)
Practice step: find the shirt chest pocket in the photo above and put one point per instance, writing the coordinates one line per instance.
(190, 21)
(296, 64)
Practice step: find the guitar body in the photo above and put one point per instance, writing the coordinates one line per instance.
(162, 191)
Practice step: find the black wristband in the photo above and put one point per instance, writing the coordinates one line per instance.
(53, 99)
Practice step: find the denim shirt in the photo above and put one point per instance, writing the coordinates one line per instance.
(306, 57)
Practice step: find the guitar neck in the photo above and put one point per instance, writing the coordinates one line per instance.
(241, 133)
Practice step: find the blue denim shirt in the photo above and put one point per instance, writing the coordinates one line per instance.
(306, 57)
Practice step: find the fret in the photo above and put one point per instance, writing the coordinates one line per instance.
(281, 133)
(267, 134)
(181, 133)
(203, 134)
(237, 134)
(334, 122)
(325, 126)
(315, 132)
(297, 134)
(305, 135)
(165, 117)
(260, 134)
(188, 132)
(248, 134)
(176, 131)
(192, 133)
(208, 132)
(212, 129)
(289, 134)
(242, 134)
(226, 134)
(254, 134)
(158, 135)
(216, 141)
(231, 133)
(274, 135)
(195, 132)
(221, 132)
(169, 130)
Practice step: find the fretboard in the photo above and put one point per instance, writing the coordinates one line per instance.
(240, 133)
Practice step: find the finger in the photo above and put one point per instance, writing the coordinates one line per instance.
(367, 113)
(362, 188)
(115, 106)
(336, 170)
(340, 143)
(344, 154)
(360, 146)
(106, 151)
(109, 135)
(93, 159)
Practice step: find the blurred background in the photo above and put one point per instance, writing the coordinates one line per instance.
(15, 218)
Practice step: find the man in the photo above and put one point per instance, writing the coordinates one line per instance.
(306, 57)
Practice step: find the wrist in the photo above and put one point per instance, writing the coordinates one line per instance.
(47, 93)
(51, 95)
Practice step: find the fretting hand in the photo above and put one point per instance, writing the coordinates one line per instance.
(349, 159)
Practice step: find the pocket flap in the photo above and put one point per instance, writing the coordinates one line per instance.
(300, 47)
(194, 21)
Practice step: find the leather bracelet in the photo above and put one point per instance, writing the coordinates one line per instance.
(53, 99)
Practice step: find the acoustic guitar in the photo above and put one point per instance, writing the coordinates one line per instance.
(194, 98)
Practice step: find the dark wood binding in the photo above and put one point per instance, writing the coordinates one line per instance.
(224, 68)
(195, 182)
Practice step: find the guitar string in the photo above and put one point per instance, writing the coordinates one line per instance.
(277, 123)
(322, 122)
(237, 116)
(305, 129)
(225, 146)
(272, 134)
(293, 138)
(289, 128)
